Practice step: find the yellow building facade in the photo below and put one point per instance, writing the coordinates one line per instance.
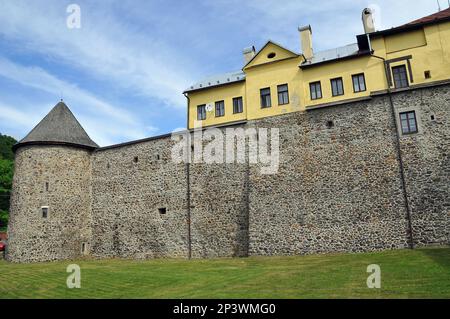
(277, 81)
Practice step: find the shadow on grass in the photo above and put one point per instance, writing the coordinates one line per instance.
(436, 254)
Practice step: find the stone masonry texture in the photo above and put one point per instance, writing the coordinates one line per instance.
(340, 188)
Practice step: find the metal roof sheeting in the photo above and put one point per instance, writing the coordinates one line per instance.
(218, 80)
(333, 54)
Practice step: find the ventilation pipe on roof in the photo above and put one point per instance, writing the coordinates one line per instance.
(306, 42)
(367, 18)
(369, 25)
(249, 53)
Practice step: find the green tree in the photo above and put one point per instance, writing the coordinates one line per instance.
(6, 176)
(6, 144)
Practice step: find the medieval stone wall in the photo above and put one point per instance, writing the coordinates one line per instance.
(339, 188)
(131, 184)
(61, 235)
(219, 213)
(426, 158)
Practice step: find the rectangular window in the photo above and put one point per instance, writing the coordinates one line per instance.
(220, 109)
(283, 94)
(44, 211)
(201, 112)
(400, 77)
(337, 87)
(238, 105)
(316, 90)
(408, 122)
(359, 83)
(265, 98)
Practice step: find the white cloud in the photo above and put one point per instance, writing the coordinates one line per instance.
(105, 123)
(334, 22)
(12, 116)
(38, 78)
(104, 47)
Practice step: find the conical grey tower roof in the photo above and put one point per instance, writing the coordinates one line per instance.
(59, 127)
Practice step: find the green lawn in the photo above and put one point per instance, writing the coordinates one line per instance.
(423, 273)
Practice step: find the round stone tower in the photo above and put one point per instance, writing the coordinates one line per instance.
(50, 200)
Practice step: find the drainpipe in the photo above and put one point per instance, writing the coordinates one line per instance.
(188, 179)
(399, 152)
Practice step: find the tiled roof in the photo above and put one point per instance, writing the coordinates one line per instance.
(436, 17)
(59, 126)
(444, 14)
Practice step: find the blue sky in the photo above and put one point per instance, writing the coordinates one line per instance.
(123, 72)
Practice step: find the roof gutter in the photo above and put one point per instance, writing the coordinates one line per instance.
(188, 179)
(349, 57)
(51, 143)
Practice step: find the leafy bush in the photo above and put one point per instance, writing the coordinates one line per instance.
(3, 220)
(6, 176)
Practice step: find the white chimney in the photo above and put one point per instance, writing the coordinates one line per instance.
(249, 53)
(306, 42)
(367, 18)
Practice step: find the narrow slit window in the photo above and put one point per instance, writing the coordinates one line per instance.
(44, 212)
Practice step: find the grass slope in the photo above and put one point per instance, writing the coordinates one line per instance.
(423, 273)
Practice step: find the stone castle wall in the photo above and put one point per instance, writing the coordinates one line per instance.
(67, 171)
(130, 185)
(426, 158)
(338, 189)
